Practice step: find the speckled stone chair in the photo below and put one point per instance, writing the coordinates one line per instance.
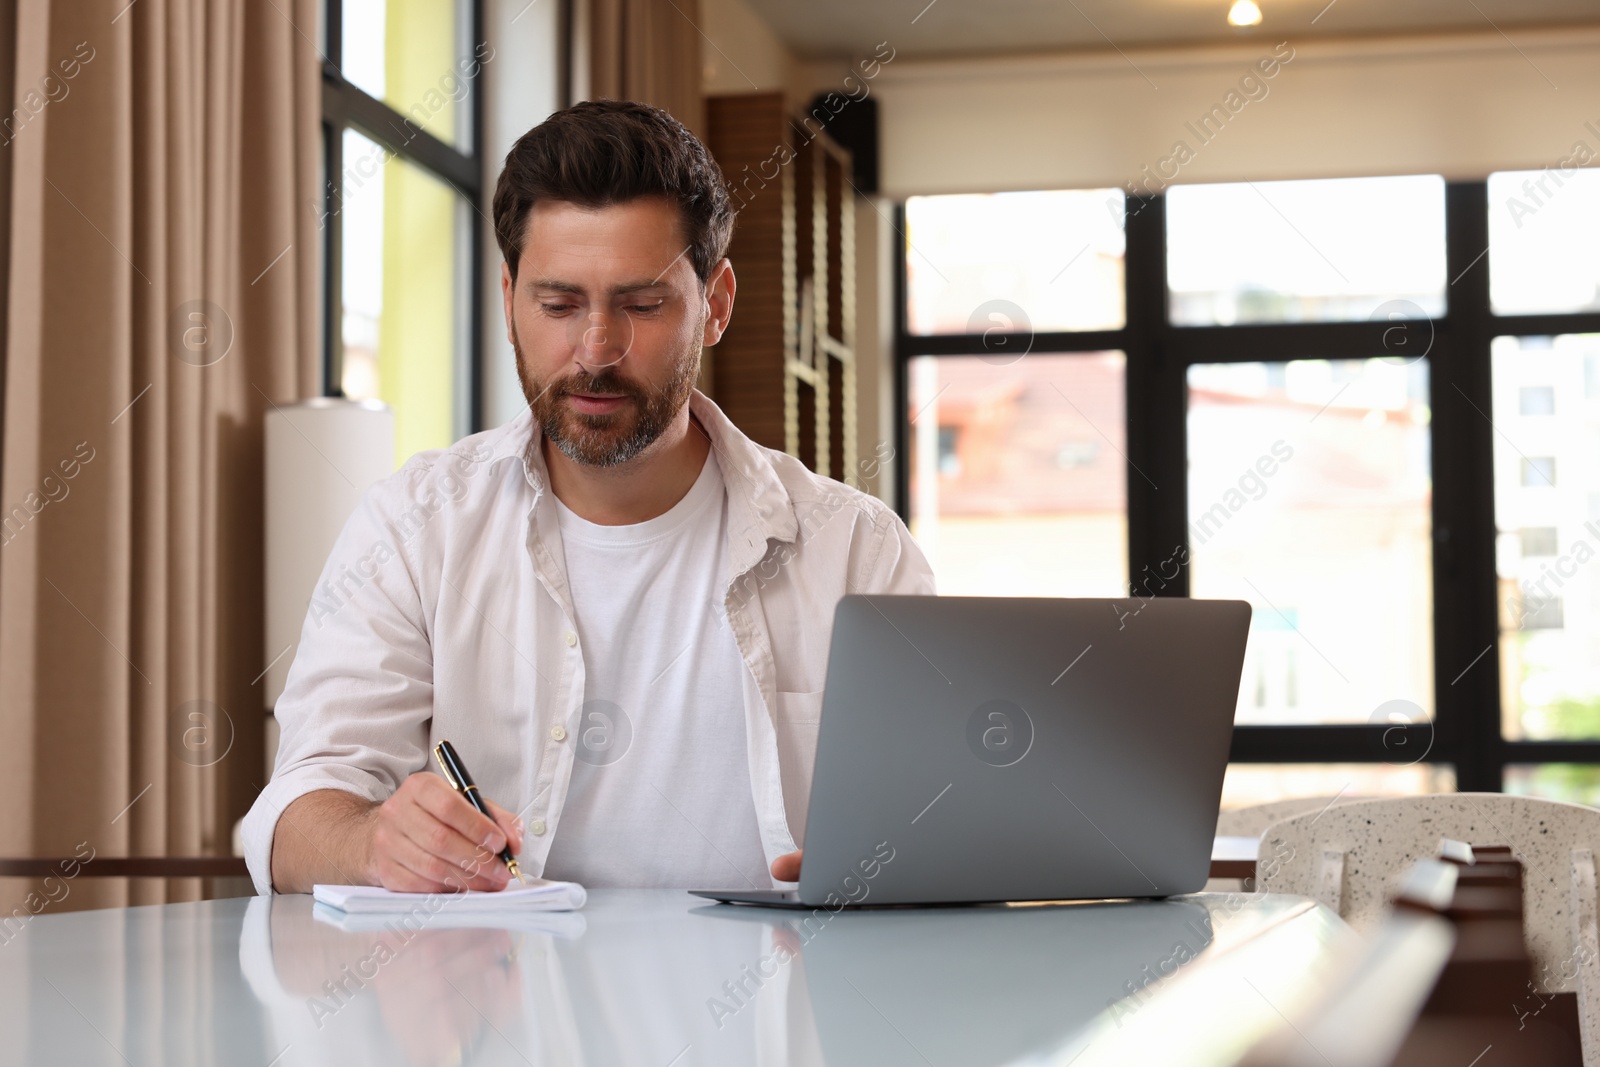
(1350, 855)
(1254, 820)
(1251, 821)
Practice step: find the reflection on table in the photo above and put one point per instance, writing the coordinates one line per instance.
(658, 978)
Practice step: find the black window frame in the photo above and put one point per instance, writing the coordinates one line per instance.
(346, 105)
(1466, 635)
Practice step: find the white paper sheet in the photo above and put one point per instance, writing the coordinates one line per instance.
(538, 895)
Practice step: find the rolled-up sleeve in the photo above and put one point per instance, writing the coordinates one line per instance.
(355, 709)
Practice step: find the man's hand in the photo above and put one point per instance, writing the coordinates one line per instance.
(427, 838)
(786, 868)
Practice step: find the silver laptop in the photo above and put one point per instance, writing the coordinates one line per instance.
(977, 749)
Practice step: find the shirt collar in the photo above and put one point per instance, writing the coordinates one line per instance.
(759, 507)
(517, 440)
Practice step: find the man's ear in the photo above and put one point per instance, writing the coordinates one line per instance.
(719, 301)
(506, 287)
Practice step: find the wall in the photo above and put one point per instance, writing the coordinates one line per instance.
(739, 52)
(1460, 105)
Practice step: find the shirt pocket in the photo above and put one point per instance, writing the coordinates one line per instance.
(795, 720)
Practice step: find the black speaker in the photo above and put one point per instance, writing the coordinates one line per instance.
(853, 126)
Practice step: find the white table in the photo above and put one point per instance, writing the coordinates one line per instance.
(662, 979)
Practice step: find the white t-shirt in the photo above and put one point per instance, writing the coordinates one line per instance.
(660, 793)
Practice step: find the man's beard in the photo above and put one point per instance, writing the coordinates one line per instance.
(610, 439)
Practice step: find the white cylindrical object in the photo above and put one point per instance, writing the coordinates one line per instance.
(321, 455)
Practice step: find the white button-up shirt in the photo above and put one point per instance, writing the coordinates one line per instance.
(444, 611)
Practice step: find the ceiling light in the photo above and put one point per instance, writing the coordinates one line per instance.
(1244, 13)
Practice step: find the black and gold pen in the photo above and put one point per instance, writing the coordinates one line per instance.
(455, 772)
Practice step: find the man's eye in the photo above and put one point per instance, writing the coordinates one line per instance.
(557, 309)
(642, 309)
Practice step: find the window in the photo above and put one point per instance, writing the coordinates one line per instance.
(413, 57)
(1010, 462)
(404, 283)
(1538, 540)
(1305, 251)
(1544, 256)
(1015, 262)
(1247, 784)
(400, 120)
(949, 462)
(1309, 492)
(1536, 400)
(1550, 590)
(1338, 404)
(1575, 783)
(1538, 472)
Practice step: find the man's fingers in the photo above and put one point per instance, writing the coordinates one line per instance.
(786, 868)
(456, 812)
(414, 869)
(509, 824)
(429, 838)
(442, 841)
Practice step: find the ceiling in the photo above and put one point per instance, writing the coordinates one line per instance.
(847, 29)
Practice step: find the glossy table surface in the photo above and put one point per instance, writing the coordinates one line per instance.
(657, 978)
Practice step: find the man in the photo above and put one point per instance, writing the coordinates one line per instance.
(616, 607)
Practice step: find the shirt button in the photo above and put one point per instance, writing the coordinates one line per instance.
(572, 639)
(536, 828)
(558, 733)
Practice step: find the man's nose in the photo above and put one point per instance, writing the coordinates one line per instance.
(604, 340)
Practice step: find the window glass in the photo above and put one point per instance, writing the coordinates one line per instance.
(1306, 251)
(1538, 472)
(1039, 261)
(1575, 783)
(404, 293)
(1018, 474)
(414, 55)
(1547, 513)
(1539, 540)
(1309, 496)
(1248, 784)
(1543, 256)
(1536, 400)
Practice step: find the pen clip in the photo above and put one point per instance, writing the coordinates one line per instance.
(444, 766)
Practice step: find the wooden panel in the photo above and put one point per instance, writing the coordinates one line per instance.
(128, 867)
(647, 50)
(835, 205)
(748, 370)
(806, 424)
(785, 370)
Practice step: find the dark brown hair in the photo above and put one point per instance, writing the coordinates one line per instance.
(604, 152)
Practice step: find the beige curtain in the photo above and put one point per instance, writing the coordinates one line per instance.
(163, 289)
(648, 50)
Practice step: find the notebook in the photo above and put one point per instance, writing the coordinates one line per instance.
(567, 925)
(538, 895)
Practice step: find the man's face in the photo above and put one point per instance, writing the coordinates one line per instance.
(607, 319)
